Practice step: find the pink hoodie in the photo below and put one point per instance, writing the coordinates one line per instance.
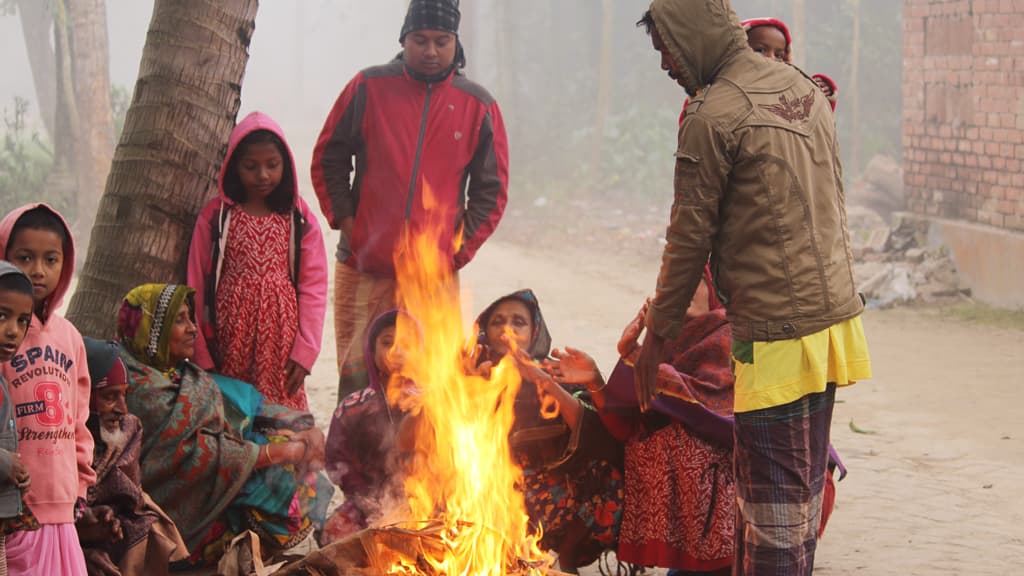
(203, 272)
(49, 387)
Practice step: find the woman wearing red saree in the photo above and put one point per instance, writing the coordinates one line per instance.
(679, 508)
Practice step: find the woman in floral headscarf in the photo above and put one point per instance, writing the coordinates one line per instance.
(207, 461)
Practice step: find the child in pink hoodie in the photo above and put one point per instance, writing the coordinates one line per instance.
(49, 387)
(258, 264)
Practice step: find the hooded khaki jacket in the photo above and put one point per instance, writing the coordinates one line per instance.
(757, 185)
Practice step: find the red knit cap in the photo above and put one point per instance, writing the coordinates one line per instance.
(752, 23)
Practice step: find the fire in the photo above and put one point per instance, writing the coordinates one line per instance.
(461, 474)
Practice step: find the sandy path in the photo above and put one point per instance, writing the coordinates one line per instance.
(935, 490)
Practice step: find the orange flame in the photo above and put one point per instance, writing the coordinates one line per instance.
(549, 409)
(461, 472)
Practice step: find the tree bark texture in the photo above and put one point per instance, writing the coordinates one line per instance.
(37, 27)
(171, 149)
(61, 183)
(66, 130)
(90, 72)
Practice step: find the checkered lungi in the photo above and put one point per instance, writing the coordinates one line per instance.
(358, 299)
(780, 457)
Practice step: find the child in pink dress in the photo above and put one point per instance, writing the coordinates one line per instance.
(258, 264)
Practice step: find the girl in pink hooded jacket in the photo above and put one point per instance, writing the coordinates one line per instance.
(258, 264)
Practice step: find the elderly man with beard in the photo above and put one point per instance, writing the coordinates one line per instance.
(123, 532)
(758, 188)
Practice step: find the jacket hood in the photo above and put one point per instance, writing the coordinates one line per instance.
(6, 269)
(540, 341)
(67, 271)
(700, 35)
(251, 123)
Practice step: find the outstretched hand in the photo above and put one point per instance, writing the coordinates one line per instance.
(572, 366)
(629, 341)
(472, 365)
(548, 392)
(294, 377)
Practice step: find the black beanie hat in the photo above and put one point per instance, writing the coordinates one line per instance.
(431, 15)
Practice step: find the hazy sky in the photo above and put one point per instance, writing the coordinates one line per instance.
(302, 54)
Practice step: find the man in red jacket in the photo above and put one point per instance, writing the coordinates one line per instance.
(414, 127)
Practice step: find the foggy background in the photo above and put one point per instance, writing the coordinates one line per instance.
(936, 458)
(589, 113)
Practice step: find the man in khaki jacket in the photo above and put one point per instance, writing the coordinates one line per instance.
(758, 189)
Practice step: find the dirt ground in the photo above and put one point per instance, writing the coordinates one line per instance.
(937, 459)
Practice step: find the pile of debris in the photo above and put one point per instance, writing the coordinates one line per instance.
(879, 187)
(895, 264)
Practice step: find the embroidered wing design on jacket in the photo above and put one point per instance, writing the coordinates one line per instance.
(795, 110)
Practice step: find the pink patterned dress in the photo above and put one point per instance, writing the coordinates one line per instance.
(257, 308)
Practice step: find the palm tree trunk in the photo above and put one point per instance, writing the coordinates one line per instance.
(171, 149)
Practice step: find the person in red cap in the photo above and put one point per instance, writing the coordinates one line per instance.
(770, 38)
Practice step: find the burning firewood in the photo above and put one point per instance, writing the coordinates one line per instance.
(392, 550)
(461, 467)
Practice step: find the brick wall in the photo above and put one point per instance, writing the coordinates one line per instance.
(963, 110)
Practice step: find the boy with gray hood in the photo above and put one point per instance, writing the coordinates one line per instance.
(16, 305)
